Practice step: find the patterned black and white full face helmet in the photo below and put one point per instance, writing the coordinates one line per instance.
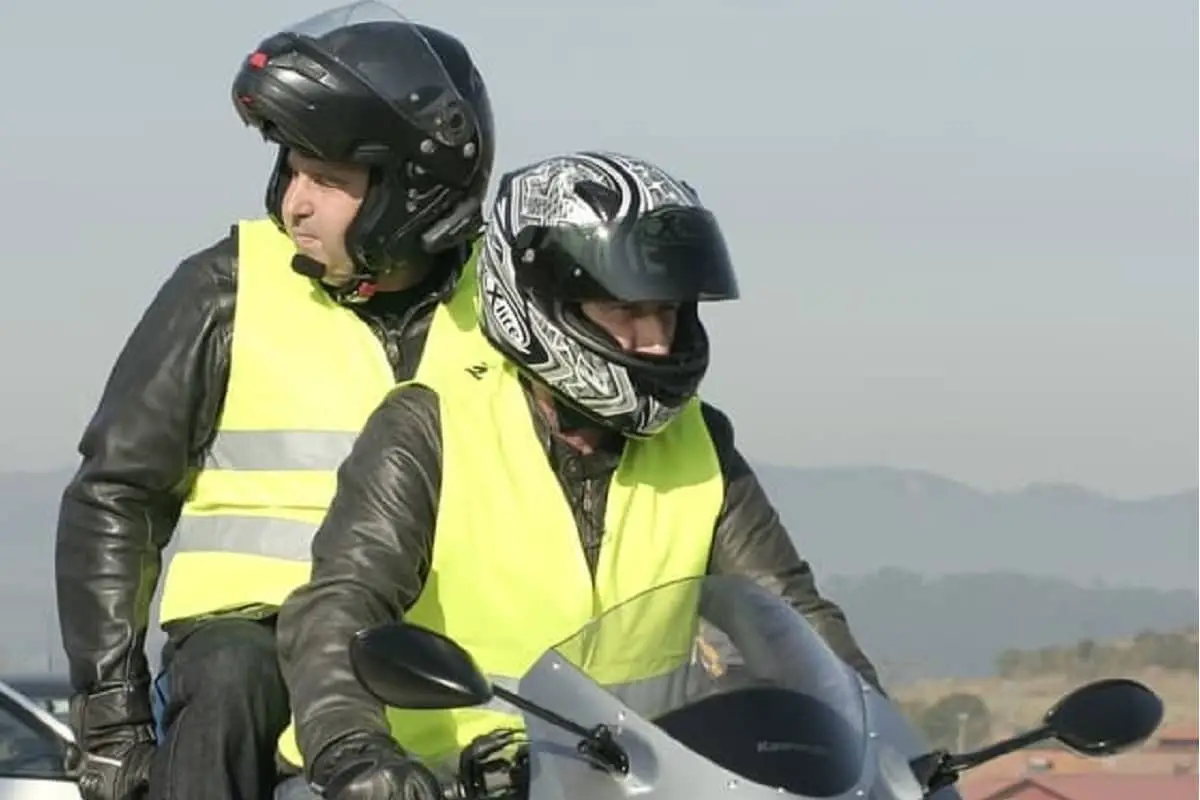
(601, 226)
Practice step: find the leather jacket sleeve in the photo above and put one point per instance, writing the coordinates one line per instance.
(751, 540)
(156, 414)
(371, 557)
(372, 553)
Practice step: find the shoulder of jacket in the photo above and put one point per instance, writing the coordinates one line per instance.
(720, 427)
(411, 403)
(720, 430)
(203, 285)
(217, 261)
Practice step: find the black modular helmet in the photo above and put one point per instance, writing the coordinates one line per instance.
(361, 84)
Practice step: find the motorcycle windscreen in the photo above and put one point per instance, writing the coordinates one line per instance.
(367, 36)
(671, 254)
(738, 677)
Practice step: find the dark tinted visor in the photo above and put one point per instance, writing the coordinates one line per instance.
(673, 254)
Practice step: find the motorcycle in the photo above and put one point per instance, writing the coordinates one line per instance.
(760, 708)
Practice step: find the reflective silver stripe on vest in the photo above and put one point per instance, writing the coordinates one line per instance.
(250, 451)
(245, 535)
(279, 450)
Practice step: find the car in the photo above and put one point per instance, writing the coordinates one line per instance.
(33, 745)
(51, 692)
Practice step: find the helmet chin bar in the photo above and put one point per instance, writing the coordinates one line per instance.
(571, 419)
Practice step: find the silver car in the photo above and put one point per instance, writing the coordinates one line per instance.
(33, 744)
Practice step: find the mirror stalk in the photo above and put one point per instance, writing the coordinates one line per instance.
(597, 742)
(940, 769)
(1101, 718)
(965, 761)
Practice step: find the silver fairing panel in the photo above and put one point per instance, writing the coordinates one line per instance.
(661, 767)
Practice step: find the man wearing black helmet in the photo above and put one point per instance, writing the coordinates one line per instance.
(570, 467)
(244, 385)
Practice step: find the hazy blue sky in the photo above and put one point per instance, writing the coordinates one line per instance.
(966, 232)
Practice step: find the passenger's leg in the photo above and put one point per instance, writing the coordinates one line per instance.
(227, 707)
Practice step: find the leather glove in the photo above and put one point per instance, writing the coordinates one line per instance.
(374, 768)
(114, 737)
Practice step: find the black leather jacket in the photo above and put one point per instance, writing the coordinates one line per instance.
(141, 450)
(371, 557)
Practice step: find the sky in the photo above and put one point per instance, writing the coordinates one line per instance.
(966, 233)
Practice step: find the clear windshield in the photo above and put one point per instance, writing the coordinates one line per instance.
(735, 675)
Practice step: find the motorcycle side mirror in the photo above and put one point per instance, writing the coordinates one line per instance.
(1106, 717)
(407, 666)
(1101, 718)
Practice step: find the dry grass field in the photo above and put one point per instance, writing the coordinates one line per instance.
(1019, 704)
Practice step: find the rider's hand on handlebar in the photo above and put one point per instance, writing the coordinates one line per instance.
(114, 745)
(119, 772)
(377, 770)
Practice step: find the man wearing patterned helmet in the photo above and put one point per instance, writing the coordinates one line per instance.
(452, 507)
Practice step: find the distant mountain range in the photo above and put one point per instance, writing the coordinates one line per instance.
(917, 627)
(854, 521)
(936, 576)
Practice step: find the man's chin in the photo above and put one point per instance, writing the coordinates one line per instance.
(336, 278)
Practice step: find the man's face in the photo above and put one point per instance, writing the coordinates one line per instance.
(318, 206)
(643, 328)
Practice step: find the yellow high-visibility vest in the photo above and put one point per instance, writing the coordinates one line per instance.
(508, 577)
(305, 373)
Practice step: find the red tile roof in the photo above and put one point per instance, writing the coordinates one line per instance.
(1035, 762)
(1185, 731)
(1026, 762)
(1087, 786)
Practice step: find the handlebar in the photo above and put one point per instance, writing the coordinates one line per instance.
(498, 784)
(485, 774)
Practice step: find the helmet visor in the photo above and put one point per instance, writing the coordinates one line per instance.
(672, 254)
(392, 56)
